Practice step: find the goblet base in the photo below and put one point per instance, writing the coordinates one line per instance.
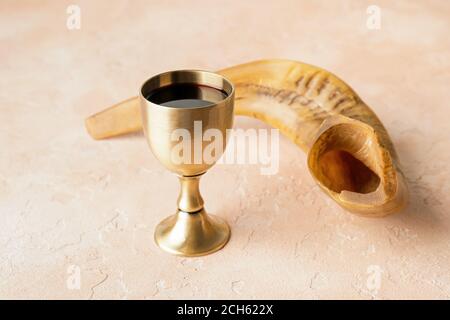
(192, 234)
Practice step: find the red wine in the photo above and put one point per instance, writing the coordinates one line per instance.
(186, 95)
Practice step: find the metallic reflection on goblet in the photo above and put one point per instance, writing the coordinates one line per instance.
(180, 110)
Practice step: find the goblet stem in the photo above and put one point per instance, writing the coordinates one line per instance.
(191, 231)
(190, 200)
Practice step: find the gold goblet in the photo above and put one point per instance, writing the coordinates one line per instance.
(181, 112)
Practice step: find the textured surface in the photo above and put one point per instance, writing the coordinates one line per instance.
(67, 200)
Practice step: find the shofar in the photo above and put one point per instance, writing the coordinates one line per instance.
(350, 154)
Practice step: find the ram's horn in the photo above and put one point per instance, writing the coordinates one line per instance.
(350, 154)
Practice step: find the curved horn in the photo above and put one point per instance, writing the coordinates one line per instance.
(350, 154)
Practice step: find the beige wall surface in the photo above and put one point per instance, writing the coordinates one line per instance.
(71, 206)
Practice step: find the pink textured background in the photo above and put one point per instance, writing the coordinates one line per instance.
(68, 200)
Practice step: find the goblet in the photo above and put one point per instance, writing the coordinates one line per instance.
(183, 113)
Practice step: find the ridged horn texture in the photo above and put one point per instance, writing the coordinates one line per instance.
(350, 154)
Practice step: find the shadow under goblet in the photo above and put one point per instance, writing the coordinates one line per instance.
(183, 113)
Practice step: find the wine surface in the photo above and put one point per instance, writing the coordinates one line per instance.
(186, 96)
